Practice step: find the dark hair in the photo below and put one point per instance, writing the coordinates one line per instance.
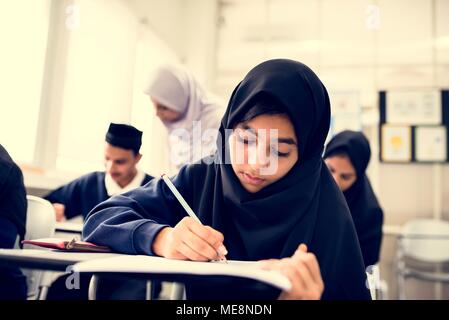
(136, 152)
(265, 105)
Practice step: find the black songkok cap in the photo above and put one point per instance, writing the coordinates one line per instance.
(124, 136)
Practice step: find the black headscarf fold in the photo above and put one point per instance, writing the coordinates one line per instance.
(305, 206)
(365, 209)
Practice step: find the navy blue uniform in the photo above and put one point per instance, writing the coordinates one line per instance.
(83, 194)
(79, 197)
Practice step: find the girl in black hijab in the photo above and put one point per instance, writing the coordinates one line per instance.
(347, 156)
(252, 210)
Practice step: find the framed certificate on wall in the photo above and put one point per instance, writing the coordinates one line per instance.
(431, 144)
(422, 107)
(396, 143)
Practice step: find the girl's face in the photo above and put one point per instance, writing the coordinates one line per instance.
(263, 150)
(342, 170)
(164, 113)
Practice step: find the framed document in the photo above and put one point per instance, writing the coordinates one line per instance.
(344, 102)
(414, 107)
(346, 111)
(431, 144)
(396, 143)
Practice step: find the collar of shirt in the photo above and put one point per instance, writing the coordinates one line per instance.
(113, 189)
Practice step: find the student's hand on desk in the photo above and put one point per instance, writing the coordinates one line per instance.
(59, 211)
(303, 271)
(189, 240)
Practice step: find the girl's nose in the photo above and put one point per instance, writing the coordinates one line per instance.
(259, 157)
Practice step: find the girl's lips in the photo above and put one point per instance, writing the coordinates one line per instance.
(251, 179)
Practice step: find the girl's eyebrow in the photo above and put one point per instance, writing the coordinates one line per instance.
(247, 127)
(287, 141)
(280, 140)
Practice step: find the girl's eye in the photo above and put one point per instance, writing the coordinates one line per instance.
(345, 177)
(245, 140)
(277, 153)
(283, 154)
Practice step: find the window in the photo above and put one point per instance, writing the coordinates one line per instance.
(23, 32)
(98, 83)
(151, 52)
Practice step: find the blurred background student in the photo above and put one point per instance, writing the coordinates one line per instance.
(121, 156)
(347, 155)
(185, 108)
(13, 207)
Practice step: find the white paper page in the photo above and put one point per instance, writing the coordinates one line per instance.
(148, 264)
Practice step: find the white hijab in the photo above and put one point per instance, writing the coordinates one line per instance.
(178, 90)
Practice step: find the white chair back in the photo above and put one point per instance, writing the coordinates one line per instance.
(40, 224)
(40, 218)
(426, 240)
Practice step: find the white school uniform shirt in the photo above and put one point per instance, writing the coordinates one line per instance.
(113, 189)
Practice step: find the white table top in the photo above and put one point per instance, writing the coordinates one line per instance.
(47, 259)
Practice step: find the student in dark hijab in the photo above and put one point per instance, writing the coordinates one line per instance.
(347, 155)
(13, 207)
(265, 192)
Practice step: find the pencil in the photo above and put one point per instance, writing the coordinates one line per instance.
(181, 200)
(183, 203)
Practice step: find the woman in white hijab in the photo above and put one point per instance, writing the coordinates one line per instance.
(191, 115)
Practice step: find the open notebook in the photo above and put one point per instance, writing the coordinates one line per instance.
(67, 245)
(157, 265)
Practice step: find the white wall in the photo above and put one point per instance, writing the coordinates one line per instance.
(165, 18)
(98, 81)
(199, 52)
(189, 28)
(21, 77)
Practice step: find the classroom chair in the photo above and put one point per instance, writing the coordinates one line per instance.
(40, 224)
(423, 245)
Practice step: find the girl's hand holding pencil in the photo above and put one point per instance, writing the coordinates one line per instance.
(189, 239)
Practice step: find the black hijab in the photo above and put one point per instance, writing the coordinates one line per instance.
(365, 209)
(13, 203)
(305, 206)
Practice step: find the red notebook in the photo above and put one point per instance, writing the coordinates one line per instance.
(67, 245)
